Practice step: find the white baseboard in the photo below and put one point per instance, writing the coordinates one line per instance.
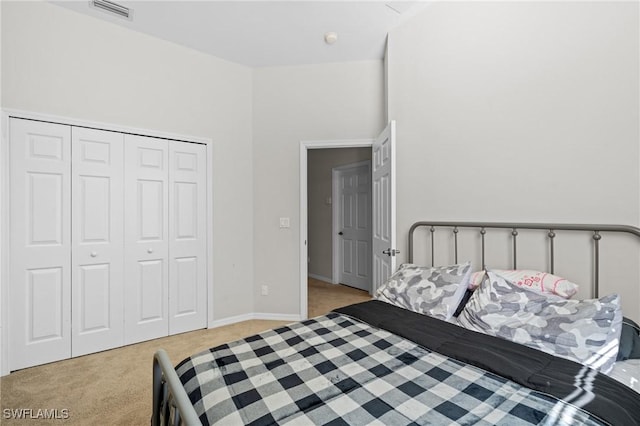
(230, 320)
(253, 316)
(321, 278)
(276, 317)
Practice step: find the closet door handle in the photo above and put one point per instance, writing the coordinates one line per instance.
(94, 254)
(149, 250)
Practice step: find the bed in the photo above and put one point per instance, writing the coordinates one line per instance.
(438, 345)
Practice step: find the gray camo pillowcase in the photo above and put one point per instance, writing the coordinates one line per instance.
(433, 291)
(585, 331)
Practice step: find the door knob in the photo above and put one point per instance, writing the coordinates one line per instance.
(149, 250)
(340, 233)
(390, 252)
(94, 254)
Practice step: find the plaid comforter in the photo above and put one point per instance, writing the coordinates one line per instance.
(338, 370)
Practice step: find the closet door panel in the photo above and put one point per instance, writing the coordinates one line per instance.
(98, 232)
(150, 215)
(187, 237)
(146, 238)
(151, 304)
(40, 243)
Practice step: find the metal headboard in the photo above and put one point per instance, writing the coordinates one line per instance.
(550, 228)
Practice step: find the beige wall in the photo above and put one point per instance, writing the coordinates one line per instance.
(320, 214)
(518, 111)
(294, 104)
(59, 62)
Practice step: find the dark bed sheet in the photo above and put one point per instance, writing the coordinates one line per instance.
(602, 396)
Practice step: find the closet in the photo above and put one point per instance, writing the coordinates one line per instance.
(108, 240)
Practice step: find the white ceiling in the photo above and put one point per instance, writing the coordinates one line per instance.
(266, 33)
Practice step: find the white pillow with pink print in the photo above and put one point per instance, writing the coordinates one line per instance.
(542, 282)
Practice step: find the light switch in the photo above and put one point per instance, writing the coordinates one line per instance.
(284, 222)
(327, 201)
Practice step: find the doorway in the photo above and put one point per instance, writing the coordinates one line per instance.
(316, 203)
(383, 205)
(339, 216)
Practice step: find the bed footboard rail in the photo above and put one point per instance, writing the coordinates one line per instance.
(171, 404)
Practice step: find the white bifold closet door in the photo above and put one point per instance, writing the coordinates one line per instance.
(97, 240)
(40, 250)
(187, 237)
(165, 237)
(146, 226)
(108, 240)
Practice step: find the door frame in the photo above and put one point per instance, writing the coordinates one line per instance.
(5, 255)
(304, 249)
(336, 205)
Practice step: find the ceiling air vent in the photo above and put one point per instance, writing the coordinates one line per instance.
(113, 8)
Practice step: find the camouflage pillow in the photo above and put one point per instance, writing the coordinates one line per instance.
(585, 331)
(431, 291)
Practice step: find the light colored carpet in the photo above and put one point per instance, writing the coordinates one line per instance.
(114, 387)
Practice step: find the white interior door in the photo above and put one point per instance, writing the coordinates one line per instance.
(40, 247)
(384, 205)
(146, 265)
(354, 192)
(97, 240)
(187, 237)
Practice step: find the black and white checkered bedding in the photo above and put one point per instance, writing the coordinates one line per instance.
(338, 370)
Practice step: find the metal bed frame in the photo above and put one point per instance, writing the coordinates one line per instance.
(172, 406)
(550, 228)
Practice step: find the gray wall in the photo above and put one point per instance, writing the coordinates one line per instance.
(294, 104)
(68, 64)
(2, 208)
(56, 61)
(319, 188)
(505, 111)
(519, 111)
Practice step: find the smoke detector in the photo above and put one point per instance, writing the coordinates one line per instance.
(330, 37)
